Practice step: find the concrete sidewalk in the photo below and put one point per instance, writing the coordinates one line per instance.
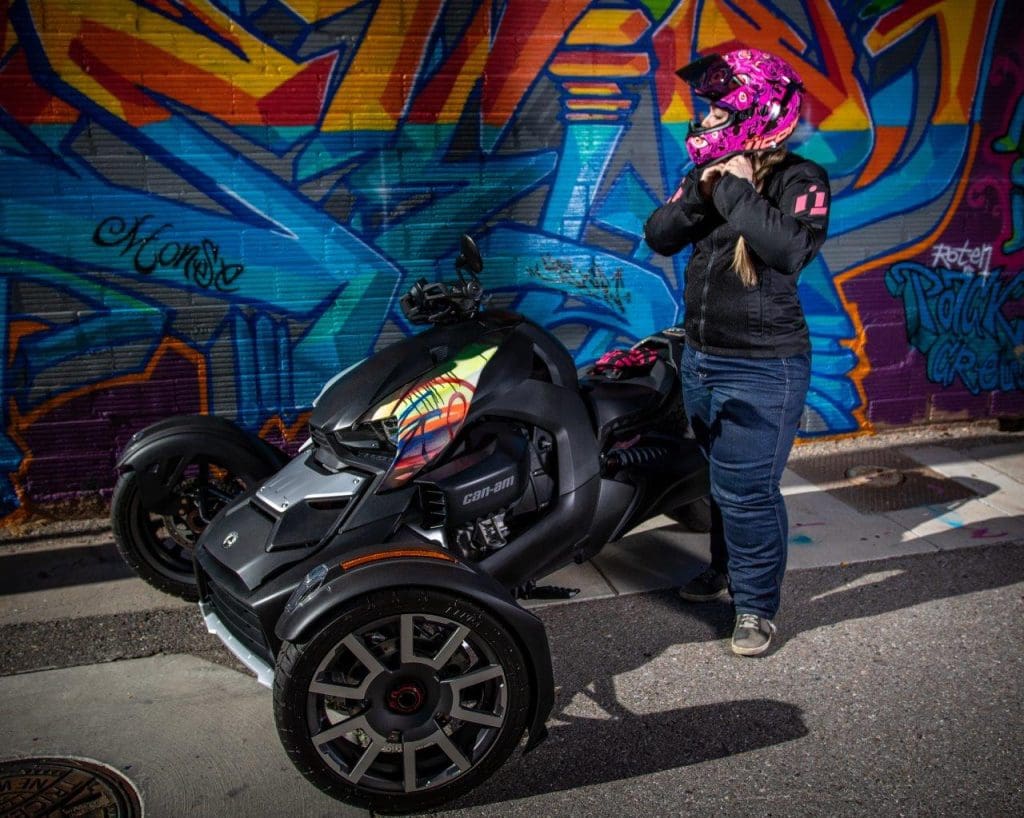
(825, 530)
(895, 687)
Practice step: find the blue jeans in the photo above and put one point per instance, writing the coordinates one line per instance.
(744, 413)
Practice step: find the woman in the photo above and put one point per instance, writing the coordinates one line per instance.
(756, 215)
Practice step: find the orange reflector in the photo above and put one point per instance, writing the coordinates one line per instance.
(396, 554)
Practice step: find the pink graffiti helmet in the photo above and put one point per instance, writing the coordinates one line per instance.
(761, 93)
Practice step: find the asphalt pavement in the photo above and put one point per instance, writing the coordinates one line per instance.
(895, 687)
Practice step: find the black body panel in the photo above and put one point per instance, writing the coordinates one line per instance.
(557, 410)
(241, 540)
(615, 402)
(373, 380)
(489, 476)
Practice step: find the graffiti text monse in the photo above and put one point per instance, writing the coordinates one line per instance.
(149, 250)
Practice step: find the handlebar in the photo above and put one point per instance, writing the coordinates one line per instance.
(441, 303)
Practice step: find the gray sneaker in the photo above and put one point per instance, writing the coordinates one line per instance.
(752, 635)
(709, 585)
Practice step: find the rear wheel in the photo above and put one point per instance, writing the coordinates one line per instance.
(407, 699)
(159, 546)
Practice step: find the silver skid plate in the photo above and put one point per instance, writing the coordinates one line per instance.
(299, 481)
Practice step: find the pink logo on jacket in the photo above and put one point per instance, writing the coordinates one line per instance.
(820, 207)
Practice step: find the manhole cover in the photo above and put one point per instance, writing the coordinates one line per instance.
(879, 476)
(64, 787)
(879, 480)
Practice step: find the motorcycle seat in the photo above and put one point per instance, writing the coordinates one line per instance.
(618, 402)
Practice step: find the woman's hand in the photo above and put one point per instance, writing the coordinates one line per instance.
(740, 166)
(708, 179)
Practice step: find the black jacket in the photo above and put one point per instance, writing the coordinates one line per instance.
(784, 225)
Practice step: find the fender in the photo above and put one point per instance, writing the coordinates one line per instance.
(461, 579)
(158, 453)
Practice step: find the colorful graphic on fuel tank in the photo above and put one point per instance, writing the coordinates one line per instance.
(428, 415)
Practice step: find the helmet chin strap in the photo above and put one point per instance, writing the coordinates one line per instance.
(748, 153)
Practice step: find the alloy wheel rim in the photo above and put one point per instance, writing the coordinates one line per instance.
(407, 703)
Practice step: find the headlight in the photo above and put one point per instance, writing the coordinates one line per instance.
(373, 435)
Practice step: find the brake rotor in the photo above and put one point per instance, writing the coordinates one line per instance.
(187, 522)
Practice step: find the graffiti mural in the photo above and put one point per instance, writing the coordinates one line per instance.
(956, 320)
(214, 205)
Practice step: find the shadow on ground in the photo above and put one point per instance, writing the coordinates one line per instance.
(60, 568)
(602, 750)
(594, 642)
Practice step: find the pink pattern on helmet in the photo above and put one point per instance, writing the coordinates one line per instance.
(762, 93)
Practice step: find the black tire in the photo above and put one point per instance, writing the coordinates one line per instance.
(161, 558)
(695, 516)
(434, 699)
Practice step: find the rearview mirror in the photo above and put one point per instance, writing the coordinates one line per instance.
(469, 256)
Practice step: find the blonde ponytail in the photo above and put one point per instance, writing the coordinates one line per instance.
(743, 258)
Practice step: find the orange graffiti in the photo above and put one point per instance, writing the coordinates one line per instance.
(112, 52)
(276, 427)
(963, 28)
(16, 330)
(609, 27)
(376, 89)
(888, 140)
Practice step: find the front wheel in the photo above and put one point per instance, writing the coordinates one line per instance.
(407, 699)
(159, 547)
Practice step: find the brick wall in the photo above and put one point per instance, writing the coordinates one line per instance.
(214, 206)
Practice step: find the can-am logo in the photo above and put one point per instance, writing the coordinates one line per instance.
(487, 491)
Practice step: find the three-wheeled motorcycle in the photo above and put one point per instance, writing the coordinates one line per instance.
(374, 580)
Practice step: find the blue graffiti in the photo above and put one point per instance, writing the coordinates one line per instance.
(957, 320)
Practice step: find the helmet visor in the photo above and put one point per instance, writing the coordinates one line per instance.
(711, 77)
(701, 111)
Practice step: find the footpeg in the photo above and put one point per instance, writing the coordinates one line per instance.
(547, 592)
